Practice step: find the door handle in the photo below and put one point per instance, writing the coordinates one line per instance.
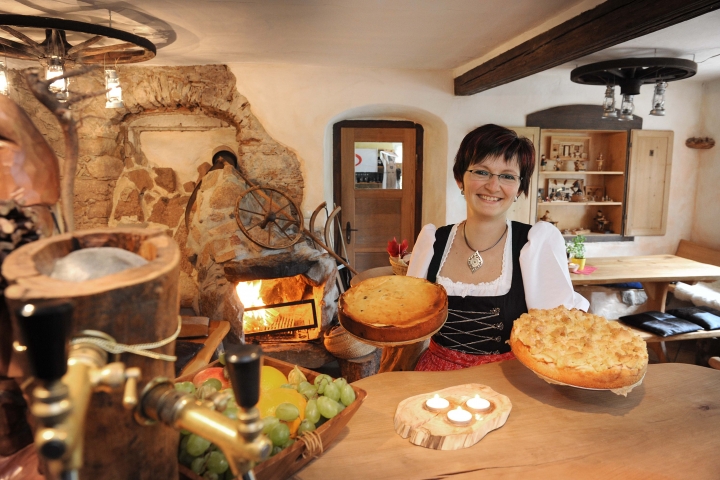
(348, 230)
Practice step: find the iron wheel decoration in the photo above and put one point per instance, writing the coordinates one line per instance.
(269, 218)
(630, 74)
(105, 45)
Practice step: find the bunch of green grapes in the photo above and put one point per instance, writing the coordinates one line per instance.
(200, 455)
(325, 399)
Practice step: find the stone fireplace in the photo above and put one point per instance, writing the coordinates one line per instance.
(139, 165)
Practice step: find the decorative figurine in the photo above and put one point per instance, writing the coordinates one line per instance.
(547, 218)
(602, 223)
(543, 162)
(600, 162)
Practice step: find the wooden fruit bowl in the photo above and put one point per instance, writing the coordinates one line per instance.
(290, 460)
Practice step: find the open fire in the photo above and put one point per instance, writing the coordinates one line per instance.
(275, 306)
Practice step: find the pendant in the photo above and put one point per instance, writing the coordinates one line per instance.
(475, 262)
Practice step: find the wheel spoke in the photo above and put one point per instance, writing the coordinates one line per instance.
(262, 214)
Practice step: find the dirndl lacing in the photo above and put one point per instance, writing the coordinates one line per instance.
(461, 323)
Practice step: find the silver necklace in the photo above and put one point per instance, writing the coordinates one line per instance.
(475, 261)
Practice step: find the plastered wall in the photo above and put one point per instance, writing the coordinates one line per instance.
(299, 104)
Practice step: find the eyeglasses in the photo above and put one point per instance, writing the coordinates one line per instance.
(503, 178)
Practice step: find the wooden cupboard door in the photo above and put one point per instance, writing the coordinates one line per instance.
(648, 189)
(524, 209)
(373, 216)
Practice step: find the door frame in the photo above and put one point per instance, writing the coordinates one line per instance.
(337, 179)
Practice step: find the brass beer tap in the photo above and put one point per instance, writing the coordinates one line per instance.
(65, 383)
(240, 441)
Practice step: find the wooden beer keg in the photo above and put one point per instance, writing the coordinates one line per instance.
(135, 306)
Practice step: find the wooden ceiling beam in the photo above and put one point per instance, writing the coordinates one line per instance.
(608, 24)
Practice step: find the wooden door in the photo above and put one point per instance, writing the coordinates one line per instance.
(648, 188)
(525, 208)
(373, 212)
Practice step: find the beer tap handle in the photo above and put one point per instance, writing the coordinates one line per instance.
(244, 363)
(45, 331)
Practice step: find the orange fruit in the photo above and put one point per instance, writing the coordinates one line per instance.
(270, 399)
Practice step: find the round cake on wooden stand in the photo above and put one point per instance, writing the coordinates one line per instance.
(393, 310)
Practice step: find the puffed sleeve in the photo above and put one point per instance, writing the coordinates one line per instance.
(544, 270)
(422, 252)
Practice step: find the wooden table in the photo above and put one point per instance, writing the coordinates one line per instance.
(664, 429)
(654, 272)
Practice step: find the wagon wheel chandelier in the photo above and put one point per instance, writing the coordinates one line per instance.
(630, 74)
(103, 46)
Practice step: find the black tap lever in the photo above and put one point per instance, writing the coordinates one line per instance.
(45, 330)
(244, 363)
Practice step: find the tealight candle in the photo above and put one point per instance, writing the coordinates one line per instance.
(436, 403)
(459, 416)
(478, 404)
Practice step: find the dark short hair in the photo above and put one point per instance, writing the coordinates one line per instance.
(495, 141)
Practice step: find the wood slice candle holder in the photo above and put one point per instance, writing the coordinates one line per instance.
(134, 306)
(433, 430)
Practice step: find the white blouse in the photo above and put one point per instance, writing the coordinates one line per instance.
(542, 261)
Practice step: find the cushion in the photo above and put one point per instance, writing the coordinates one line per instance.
(714, 311)
(659, 323)
(707, 320)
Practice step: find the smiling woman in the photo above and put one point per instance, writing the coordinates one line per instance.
(493, 269)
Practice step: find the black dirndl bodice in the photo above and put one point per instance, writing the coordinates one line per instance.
(481, 325)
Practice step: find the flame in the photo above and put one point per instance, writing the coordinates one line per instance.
(249, 294)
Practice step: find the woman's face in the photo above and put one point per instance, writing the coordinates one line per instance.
(491, 198)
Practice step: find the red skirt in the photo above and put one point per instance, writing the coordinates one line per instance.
(438, 359)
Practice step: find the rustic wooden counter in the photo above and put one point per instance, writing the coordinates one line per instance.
(665, 429)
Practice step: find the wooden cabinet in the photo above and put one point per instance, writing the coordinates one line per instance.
(599, 174)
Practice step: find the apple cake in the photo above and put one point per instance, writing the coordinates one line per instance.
(578, 348)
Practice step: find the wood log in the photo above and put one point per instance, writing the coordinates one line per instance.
(358, 368)
(433, 430)
(134, 306)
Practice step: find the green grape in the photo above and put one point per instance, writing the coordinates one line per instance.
(269, 423)
(196, 446)
(306, 426)
(216, 463)
(213, 382)
(322, 378)
(184, 432)
(231, 413)
(185, 458)
(311, 411)
(183, 444)
(332, 391)
(211, 476)
(221, 358)
(340, 382)
(304, 385)
(276, 449)
(308, 392)
(287, 412)
(347, 395)
(229, 475)
(279, 434)
(198, 465)
(328, 407)
(205, 391)
(186, 387)
(291, 386)
(288, 443)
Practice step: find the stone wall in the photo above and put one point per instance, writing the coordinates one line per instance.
(116, 183)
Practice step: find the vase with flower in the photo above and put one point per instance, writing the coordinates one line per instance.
(399, 256)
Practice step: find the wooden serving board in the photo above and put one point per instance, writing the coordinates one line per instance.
(433, 430)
